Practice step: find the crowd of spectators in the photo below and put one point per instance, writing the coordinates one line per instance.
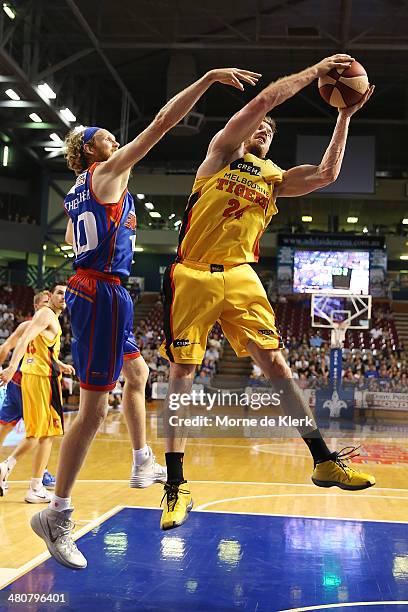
(10, 314)
(383, 369)
(149, 336)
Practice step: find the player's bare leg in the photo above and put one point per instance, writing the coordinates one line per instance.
(136, 373)
(93, 407)
(7, 466)
(54, 524)
(5, 429)
(145, 470)
(37, 493)
(330, 468)
(177, 497)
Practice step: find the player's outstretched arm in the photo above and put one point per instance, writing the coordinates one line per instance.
(38, 324)
(175, 110)
(247, 120)
(11, 341)
(301, 180)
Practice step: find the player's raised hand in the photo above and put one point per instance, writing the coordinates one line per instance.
(234, 76)
(339, 60)
(348, 111)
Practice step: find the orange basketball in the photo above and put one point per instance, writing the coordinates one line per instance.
(343, 87)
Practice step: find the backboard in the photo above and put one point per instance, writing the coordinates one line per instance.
(353, 311)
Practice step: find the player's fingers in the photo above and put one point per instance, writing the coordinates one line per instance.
(236, 83)
(256, 75)
(247, 79)
(344, 56)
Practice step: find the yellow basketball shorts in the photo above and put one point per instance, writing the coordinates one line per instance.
(196, 297)
(42, 405)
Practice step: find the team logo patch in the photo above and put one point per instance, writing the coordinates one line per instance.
(243, 166)
(130, 222)
(81, 179)
(266, 332)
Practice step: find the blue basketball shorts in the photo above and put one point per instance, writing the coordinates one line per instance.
(101, 312)
(11, 410)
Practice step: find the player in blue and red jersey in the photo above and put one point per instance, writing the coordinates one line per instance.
(101, 229)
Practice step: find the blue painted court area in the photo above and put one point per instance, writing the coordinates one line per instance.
(223, 562)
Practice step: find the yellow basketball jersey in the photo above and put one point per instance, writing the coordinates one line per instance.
(227, 213)
(41, 355)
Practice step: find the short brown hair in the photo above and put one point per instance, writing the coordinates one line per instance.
(74, 150)
(54, 286)
(268, 119)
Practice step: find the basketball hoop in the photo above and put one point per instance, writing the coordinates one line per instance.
(338, 334)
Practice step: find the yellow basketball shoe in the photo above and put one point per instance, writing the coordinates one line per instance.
(178, 503)
(336, 473)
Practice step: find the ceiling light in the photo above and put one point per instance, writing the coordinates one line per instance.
(12, 94)
(177, 223)
(307, 219)
(141, 196)
(365, 230)
(155, 214)
(36, 118)
(55, 138)
(405, 222)
(139, 249)
(71, 254)
(149, 205)
(172, 215)
(46, 91)
(5, 155)
(66, 247)
(9, 11)
(404, 257)
(67, 114)
(352, 219)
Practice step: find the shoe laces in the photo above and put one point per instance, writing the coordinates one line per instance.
(64, 529)
(344, 456)
(171, 491)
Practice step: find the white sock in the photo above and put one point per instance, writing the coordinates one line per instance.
(36, 483)
(11, 462)
(60, 503)
(140, 455)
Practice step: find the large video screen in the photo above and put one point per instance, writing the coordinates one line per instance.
(334, 271)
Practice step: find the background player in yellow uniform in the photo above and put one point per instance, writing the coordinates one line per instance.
(12, 409)
(232, 202)
(39, 346)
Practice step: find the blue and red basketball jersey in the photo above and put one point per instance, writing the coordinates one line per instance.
(104, 234)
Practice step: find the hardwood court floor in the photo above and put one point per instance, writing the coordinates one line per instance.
(235, 475)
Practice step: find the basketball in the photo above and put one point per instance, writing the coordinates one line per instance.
(342, 87)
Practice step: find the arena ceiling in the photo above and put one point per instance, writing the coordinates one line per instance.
(115, 64)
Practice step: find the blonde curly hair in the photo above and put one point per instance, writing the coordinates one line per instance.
(74, 150)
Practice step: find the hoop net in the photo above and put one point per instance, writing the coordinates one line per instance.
(338, 334)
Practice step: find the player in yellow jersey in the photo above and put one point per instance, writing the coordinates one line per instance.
(11, 410)
(232, 202)
(39, 347)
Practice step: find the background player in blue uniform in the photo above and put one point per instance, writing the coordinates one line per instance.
(11, 410)
(101, 229)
